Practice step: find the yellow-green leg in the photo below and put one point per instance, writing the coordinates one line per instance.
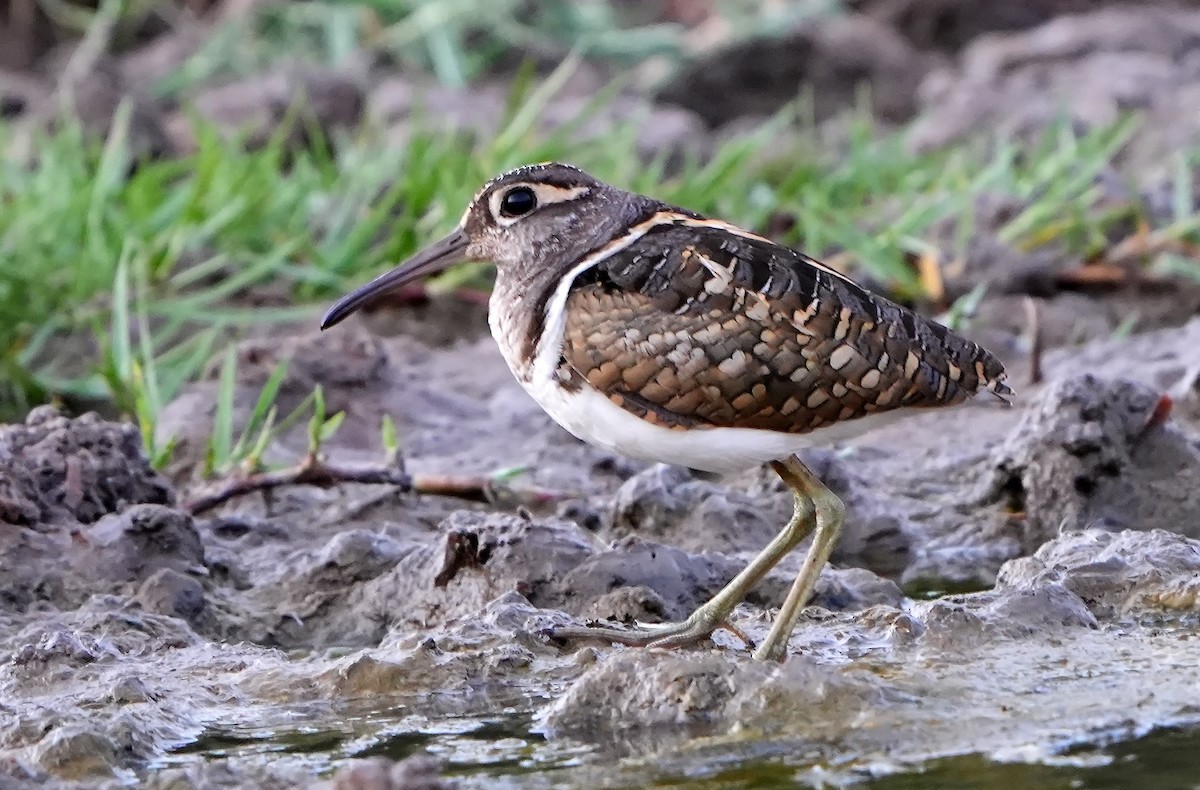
(829, 515)
(815, 507)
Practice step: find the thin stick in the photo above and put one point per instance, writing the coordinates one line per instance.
(314, 472)
(1037, 342)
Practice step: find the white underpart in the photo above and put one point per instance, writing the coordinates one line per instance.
(589, 415)
(595, 419)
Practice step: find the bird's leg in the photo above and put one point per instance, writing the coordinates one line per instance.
(811, 499)
(830, 512)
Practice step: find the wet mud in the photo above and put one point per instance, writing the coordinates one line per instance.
(1013, 584)
(134, 634)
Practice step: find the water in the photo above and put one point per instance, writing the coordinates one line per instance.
(506, 750)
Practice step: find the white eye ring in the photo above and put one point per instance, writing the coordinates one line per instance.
(518, 201)
(543, 195)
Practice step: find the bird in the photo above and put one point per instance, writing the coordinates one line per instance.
(655, 332)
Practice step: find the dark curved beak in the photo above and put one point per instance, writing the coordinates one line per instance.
(438, 256)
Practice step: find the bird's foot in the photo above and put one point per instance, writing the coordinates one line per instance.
(693, 630)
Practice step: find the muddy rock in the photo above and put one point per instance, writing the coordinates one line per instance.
(134, 544)
(76, 752)
(54, 470)
(1095, 451)
(1013, 614)
(304, 602)
(963, 522)
(833, 58)
(389, 586)
(677, 580)
(19, 775)
(92, 99)
(1165, 359)
(951, 24)
(233, 774)
(419, 772)
(361, 585)
(480, 111)
(1095, 65)
(667, 584)
(170, 592)
(698, 515)
(20, 92)
(668, 503)
(624, 692)
(700, 693)
(1115, 573)
(255, 109)
(479, 557)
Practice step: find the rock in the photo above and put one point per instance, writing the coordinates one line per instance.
(418, 772)
(255, 108)
(92, 99)
(54, 469)
(170, 592)
(510, 553)
(952, 24)
(1094, 66)
(681, 581)
(833, 58)
(480, 111)
(627, 692)
(671, 505)
(629, 604)
(19, 93)
(374, 583)
(137, 542)
(16, 774)
(1115, 574)
(1163, 359)
(637, 694)
(667, 503)
(1092, 450)
(77, 752)
(854, 589)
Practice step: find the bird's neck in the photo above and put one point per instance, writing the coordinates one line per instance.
(517, 314)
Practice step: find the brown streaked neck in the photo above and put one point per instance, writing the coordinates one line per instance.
(524, 289)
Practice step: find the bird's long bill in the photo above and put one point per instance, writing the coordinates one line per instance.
(434, 258)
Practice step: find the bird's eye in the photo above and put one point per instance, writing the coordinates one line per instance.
(518, 201)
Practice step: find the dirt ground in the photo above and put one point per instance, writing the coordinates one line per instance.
(1012, 582)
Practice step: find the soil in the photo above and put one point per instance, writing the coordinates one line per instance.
(1015, 583)
(149, 631)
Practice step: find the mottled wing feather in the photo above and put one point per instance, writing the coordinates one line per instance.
(695, 325)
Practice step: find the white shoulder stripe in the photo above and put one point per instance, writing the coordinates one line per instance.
(549, 346)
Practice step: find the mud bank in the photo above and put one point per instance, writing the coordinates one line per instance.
(266, 644)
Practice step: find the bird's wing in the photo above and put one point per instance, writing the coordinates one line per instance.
(698, 323)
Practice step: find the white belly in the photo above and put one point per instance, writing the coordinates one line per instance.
(592, 417)
(595, 419)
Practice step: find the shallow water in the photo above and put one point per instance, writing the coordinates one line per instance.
(507, 750)
(1167, 759)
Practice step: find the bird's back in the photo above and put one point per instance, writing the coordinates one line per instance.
(700, 324)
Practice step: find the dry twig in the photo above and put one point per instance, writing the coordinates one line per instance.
(1037, 341)
(312, 471)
